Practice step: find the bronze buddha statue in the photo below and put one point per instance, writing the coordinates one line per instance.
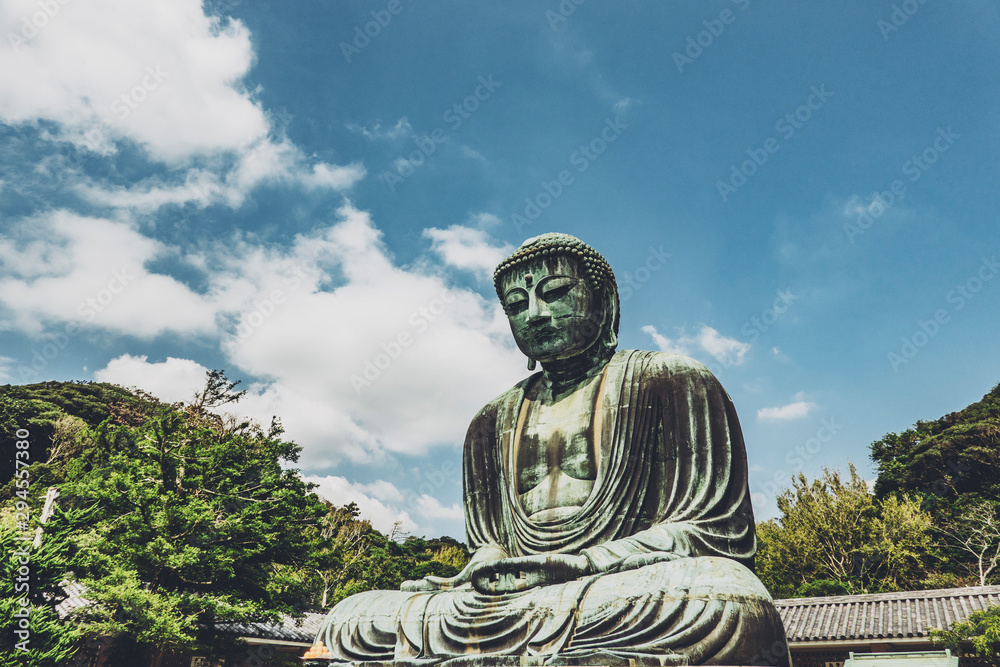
(606, 504)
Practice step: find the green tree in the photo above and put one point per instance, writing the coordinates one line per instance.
(351, 556)
(30, 578)
(833, 535)
(949, 464)
(342, 542)
(945, 460)
(184, 523)
(975, 533)
(40, 407)
(179, 520)
(980, 633)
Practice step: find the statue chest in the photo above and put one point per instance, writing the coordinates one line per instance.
(556, 453)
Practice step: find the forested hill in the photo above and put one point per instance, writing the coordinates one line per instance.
(175, 518)
(933, 520)
(954, 459)
(39, 407)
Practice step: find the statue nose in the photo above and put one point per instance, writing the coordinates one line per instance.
(537, 310)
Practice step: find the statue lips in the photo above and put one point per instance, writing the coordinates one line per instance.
(542, 332)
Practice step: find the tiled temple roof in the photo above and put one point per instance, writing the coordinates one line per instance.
(288, 630)
(881, 615)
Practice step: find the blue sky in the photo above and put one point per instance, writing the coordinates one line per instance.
(802, 196)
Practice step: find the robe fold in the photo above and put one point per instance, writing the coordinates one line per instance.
(668, 531)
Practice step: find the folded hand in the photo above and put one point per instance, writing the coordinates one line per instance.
(510, 575)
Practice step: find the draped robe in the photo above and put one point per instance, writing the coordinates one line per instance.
(668, 531)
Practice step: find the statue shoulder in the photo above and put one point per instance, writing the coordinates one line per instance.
(486, 417)
(672, 367)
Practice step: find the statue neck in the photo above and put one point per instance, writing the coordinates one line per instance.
(565, 373)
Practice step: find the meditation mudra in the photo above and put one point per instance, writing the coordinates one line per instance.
(606, 505)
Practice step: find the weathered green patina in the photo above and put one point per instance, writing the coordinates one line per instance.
(606, 503)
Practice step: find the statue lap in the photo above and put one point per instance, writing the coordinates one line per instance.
(684, 611)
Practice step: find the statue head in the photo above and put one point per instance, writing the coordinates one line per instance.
(561, 298)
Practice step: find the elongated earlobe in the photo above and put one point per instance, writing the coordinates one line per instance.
(531, 364)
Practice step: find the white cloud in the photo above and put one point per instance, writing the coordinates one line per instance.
(665, 344)
(383, 360)
(6, 365)
(361, 358)
(788, 412)
(402, 128)
(160, 73)
(856, 206)
(431, 508)
(483, 220)
(467, 248)
(63, 267)
(390, 360)
(340, 491)
(623, 105)
(264, 162)
(173, 380)
(473, 154)
(384, 504)
(164, 75)
(724, 349)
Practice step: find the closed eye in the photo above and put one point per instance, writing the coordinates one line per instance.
(557, 292)
(557, 288)
(515, 301)
(515, 307)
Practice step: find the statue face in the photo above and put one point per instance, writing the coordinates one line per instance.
(552, 311)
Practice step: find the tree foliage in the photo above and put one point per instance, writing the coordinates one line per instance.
(177, 520)
(946, 461)
(355, 557)
(976, 535)
(39, 407)
(38, 588)
(950, 465)
(980, 633)
(833, 535)
(179, 524)
(932, 521)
